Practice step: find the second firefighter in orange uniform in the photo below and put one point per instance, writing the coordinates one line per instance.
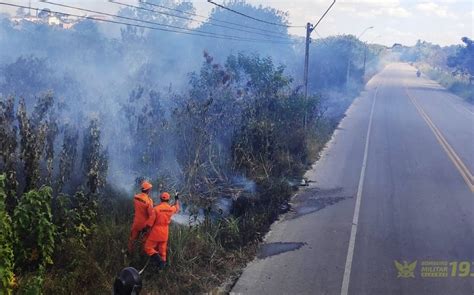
(157, 241)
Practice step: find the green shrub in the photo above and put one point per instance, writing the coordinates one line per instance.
(84, 215)
(35, 233)
(454, 84)
(32, 283)
(7, 277)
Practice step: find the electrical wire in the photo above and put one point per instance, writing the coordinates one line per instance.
(134, 25)
(210, 18)
(324, 14)
(192, 19)
(251, 17)
(321, 38)
(93, 18)
(162, 25)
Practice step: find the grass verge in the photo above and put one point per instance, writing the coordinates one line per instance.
(452, 83)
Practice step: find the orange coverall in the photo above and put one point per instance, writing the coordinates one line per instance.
(144, 216)
(158, 238)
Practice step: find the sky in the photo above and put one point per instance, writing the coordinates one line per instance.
(442, 22)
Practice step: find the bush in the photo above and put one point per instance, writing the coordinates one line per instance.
(7, 277)
(240, 120)
(32, 283)
(455, 84)
(35, 231)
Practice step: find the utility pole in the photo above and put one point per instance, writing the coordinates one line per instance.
(309, 29)
(365, 52)
(348, 74)
(348, 67)
(365, 59)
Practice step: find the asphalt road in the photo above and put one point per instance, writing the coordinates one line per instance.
(394, 184)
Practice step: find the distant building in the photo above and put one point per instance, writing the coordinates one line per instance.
(46, 16)
(67, 26)
(54, 21)
(17, 20)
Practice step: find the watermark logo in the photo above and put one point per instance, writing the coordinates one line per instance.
(435, 269)
(405, 270)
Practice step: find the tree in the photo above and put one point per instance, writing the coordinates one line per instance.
(240, 118)
(147, 125)
(26, 77)
(280, 52)
(8, 154)
(152, 13)
(206, 119)
(21, 12)
(34, 130)
(463, 59)
(272, 139)
(94, 158)
(67, 157)
(329, 59)
(7, 278)
(50, 138)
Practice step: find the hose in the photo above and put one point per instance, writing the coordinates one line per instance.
(146, 264)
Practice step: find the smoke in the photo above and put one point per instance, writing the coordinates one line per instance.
(93, 68)
(247, 185)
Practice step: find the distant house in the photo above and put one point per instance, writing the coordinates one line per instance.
(68, 25)
(29, 18)
(45, 16)
(48, 17)
(54, 21)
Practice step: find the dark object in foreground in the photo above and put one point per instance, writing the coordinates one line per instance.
(128, 282)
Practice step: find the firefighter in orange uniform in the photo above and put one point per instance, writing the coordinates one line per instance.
(144, 214)
(156, 243)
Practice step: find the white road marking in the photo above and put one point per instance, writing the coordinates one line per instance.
(355, 219)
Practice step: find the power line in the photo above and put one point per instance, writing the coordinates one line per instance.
(251, 17)
(212, 18)
(162, 25)
(97, 19)
(130, 18)
(192, 19)
(134, 25)
(321, 38)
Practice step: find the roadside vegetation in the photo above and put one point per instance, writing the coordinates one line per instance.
(452, 66)
(238, 120)
(232, 132)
